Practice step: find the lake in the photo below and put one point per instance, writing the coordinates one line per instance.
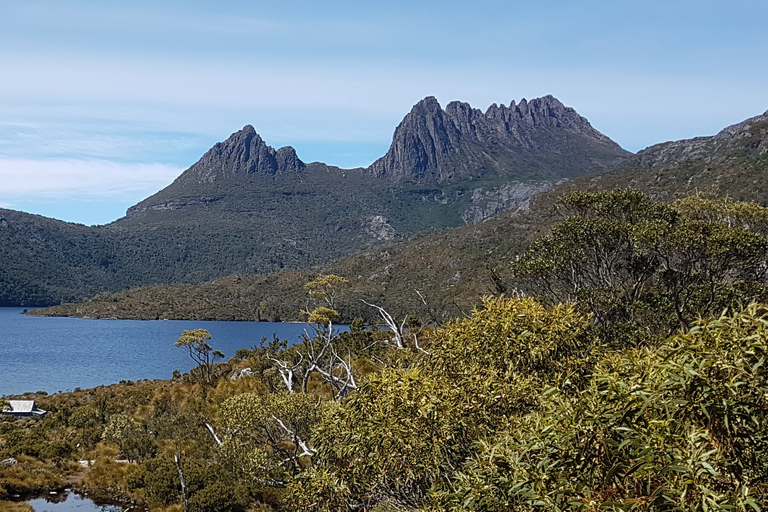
(55, 354)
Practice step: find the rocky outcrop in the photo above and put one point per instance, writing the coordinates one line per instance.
(750, 135)
(379, 228)
(511, 196)
(438, 146)
(243, 153)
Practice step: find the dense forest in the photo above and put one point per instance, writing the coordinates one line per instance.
(626, 372)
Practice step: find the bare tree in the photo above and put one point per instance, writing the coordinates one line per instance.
(398, 330)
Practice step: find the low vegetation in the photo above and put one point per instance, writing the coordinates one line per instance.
(630, 375)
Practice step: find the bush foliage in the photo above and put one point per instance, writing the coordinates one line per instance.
(635, 379)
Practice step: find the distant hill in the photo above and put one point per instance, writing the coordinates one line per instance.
(451, 269)
(248, 208)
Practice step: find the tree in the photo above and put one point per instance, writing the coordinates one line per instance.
(196, 343)
(680, 427)
(648, 266)
(319, 353)
(326, 289)
(267, 436)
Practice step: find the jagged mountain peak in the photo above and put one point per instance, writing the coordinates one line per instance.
(433, 144)
(243, 154)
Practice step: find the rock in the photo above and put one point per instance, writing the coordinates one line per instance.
(749, 135)
(437, 146)
(379, 228)
(243, 153)
(511, 196)
(8, 463)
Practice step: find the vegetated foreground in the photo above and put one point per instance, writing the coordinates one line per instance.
(635, 379)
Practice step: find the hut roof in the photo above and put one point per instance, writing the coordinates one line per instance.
(22, 407)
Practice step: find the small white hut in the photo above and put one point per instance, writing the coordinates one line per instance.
(23, 408)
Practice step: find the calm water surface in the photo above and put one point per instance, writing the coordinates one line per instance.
(72, 503)
(60, 354)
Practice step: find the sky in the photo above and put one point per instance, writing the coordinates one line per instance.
(102, 104)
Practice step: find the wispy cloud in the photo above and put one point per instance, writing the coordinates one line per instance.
(96, 179)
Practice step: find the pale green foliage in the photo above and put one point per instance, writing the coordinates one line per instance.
(131, 436)
(322, 316)
(85, 416)
(326, 288)
(318, 490)
(683, 427)
(323, 292)
(197, 346)
(262, 434)
(635, 263)
(117, 429)
(407, 430)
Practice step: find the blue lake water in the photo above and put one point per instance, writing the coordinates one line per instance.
(70, 503)
(59, 354)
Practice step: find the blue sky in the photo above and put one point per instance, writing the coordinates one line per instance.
(103, 104)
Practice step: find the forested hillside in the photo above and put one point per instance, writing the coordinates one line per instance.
(451, 270)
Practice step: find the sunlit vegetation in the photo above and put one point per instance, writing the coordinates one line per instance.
(627, 372)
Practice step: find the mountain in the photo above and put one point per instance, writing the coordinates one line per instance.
(246, 207)
(732, 163)
(452, 268)
(432, 151)
(540, 139)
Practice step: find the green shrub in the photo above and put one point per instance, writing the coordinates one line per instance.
(214, 498)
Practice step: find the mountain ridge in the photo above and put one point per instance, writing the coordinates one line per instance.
(452, 268)
(733, 162)
(246, 207)
(541, 139)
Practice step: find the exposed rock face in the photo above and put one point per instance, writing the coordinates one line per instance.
(380, 229)
(750, 135)
(243, 153)
(436, 145)
(513, 196)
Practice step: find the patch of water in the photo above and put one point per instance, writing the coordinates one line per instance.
(70, 502)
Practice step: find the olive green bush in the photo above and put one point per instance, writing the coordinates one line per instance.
(682, 427)
(407, 431)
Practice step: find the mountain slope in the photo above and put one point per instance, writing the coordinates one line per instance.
(451, 269)
(732, 163)
(246, 207)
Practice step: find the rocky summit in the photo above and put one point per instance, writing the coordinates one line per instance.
(244, 153)
(542, 138)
